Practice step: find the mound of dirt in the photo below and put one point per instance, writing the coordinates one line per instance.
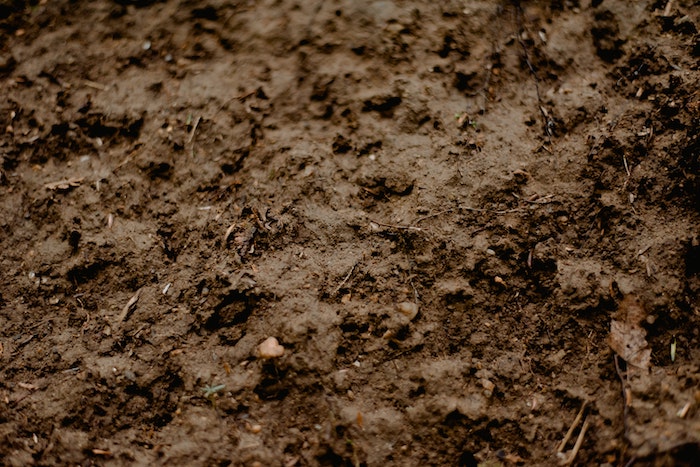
(349, 233)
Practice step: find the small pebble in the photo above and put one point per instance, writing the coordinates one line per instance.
(255, 428)
(488, 387)
(487, 384)
(270, 348)
(408, 309)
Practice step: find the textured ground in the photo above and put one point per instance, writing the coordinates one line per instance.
(181, 180)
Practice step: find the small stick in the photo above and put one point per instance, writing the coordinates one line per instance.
(129, 306)
(400, 227)
(667, 10)
(240, 97)
(573, 426)
(579, 442)
(340, 286)
(626, 396)
(421, 219)
(548, 123)
(94, 85)
(492, 211)
(543, 200)
(465, 208)
(194, 128)
(469, 208)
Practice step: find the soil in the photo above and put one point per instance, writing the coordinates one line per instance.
(465, 223)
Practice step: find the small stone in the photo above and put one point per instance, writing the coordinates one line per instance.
(487, 384)
(256, 428)
(488, 387)
(270, 348)
(408, 309)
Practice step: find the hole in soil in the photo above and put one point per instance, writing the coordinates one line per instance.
(85, 273)
(234, 309)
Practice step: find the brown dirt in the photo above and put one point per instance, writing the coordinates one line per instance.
(183, 179)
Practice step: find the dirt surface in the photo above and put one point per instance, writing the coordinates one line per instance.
(465, 223)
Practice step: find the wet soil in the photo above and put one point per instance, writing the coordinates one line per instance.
(465, 222)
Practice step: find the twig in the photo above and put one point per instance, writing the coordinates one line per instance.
(421, 219)
(415, 291)
(579, 442)
(129, 306)
(542, 200)
(469, 208)
(340, 286)
(667, 10)
(400, 227)
(240, 97)
(194, 128)
(492, 211)
(626, 399)
(446, 211)
(94, 85)
(129, 157)
(573, 426)
(545, 117)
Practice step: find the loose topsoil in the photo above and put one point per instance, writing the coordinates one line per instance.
(465, 223)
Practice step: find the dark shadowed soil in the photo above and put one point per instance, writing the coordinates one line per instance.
(465, 222)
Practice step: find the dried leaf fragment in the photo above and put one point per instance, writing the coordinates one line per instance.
(627, 337)
(65, 184)
(629, 342)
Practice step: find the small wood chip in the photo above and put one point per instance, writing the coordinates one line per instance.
(101, 452)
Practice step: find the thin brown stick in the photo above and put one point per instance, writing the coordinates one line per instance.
(429, 216)
(548, 123)
(573, 426)
(194, 128)
(446, 211)
(129, 307)
(400, 227)
(579, 442)
(667, 10)
(340, 286)
(626, 399)
(94, 85)
(542, 200)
